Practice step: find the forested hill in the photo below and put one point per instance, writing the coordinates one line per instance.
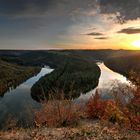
(76, 76)
(54, 58)
(18, 63)
(12, 75)
(125, 64)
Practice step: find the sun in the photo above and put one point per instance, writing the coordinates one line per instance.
(136, 43)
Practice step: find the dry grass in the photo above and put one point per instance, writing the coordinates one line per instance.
(58, 113)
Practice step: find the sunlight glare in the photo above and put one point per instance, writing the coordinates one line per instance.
(136, 43)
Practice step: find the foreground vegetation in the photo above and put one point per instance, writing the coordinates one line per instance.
(64, 112)
(12, 75)
(87, 130)
(97, 119)
(74, 77)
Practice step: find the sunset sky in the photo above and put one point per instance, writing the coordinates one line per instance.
(69, 24)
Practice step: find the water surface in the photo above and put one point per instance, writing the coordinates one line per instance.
(108, 79)
(17, 105)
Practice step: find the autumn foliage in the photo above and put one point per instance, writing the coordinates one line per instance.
(59, 114)
(126, 115)
(98, 108)
(134, 105)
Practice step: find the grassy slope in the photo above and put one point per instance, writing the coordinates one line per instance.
(13, 74)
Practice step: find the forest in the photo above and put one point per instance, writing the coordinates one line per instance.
(125, 64)
(26, 63)
(11, 75)
(74, 77)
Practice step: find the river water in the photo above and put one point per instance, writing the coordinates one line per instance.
(17, 106)
(107, 81)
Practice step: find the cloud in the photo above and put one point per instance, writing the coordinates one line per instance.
(94, 34)
(124, 10)
(101, 38)
(17, 7)
(130, 30)
(42, 7)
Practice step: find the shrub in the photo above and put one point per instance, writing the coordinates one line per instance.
(133, 107)
(113, 113)
(127, 115)
(58, 113)
(133, 111)
(96, 107)
(108, 110)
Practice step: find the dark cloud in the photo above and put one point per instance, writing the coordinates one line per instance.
(95, 34)
(11, 7)
(39, 7)
(43, 22)
(124, 9)
(130, 31)
(101, 38)
(56, 21)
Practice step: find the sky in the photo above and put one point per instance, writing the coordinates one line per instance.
(69, 24)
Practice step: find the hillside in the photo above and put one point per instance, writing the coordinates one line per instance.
(12, 75)
(125, 64)
(74, 77)
(121, 61)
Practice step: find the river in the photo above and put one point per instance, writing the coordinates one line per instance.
(17, 106)
(107, 81)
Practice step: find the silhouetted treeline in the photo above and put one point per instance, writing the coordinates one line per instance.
(55, 58)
